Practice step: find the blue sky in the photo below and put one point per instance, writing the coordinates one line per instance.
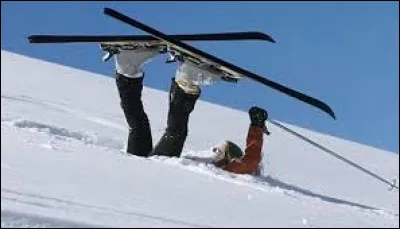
(344, 53)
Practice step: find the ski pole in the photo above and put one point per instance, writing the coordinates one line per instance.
(392, 185)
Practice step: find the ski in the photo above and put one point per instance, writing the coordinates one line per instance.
(231, 36)
(186, 50)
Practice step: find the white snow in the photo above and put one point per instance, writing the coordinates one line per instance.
(62, 164)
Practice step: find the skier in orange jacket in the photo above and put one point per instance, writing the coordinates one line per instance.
(184, 92)
(231, 158)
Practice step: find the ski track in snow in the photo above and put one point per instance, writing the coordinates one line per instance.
(62, 134)
(49, 202)
(192, 161)
(263, 183)
(65, 108)
(12, 219)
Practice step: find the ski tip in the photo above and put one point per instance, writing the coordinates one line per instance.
(266, 37)
(320, 105)
(263, 36)
(107, 10)
(35, 39)
(323, 107)
(329, 111)
(333, 115)
(31, 38)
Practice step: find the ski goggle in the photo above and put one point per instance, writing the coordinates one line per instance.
(219, 153)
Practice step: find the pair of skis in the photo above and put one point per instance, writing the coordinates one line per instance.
(182, 51)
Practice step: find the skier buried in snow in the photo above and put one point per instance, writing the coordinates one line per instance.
(184, 92)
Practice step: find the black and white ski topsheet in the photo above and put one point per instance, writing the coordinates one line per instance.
(234, 71)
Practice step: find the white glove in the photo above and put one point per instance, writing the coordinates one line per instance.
(130, 62)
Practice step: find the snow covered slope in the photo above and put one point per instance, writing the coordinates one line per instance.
(62, 132)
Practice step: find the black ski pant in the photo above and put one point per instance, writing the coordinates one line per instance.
(140, 138)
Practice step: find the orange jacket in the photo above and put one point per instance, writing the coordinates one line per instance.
(249, 163)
